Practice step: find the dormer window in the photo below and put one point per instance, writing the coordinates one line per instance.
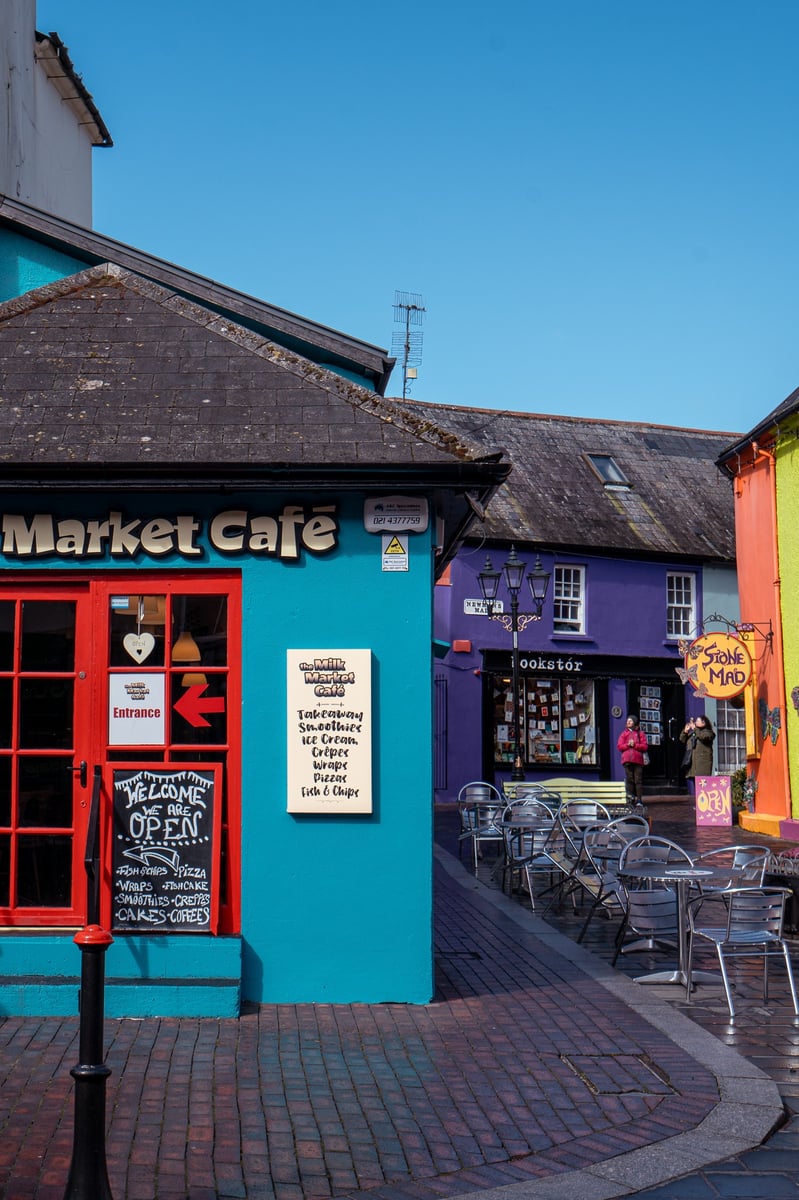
(608, 471)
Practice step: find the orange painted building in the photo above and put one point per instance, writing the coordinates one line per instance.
(761, 466)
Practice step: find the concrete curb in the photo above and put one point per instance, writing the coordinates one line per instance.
(750, 1105)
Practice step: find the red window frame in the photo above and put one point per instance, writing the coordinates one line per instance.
(92, 666)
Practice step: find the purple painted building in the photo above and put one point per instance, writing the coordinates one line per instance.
(634, 525)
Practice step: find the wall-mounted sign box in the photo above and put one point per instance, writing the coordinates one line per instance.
(329, 731)
(165, 848)
(395, 513)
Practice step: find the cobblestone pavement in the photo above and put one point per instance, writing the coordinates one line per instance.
(767, 1035)
(537, 1072)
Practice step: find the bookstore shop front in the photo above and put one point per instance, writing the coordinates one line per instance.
(574, 709)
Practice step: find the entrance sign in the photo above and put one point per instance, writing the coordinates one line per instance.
(718, 665)
(329, 731)
(136, 715)
(165, 834)
(713, 800)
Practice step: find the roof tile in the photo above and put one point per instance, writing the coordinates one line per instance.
(678, 504)
(108, 366)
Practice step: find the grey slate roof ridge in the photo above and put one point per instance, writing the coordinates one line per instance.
(557, 418)
(367, 401)
(78, 240)
(749, 1107)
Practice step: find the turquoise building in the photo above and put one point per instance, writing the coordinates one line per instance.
(218, 544)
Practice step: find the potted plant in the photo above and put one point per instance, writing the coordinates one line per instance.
(743, 788)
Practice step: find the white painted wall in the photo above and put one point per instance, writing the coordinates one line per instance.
(45, 155)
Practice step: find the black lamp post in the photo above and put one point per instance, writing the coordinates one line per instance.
(515, 621)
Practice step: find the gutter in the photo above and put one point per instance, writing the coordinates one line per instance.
(53, 55)
(484, 476)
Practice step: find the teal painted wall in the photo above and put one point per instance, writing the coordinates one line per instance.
(26, 264)
(335, 908)
(339, 908)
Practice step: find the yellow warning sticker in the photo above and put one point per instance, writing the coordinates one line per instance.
(395, 551)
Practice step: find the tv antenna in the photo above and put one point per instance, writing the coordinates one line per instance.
(407, 343)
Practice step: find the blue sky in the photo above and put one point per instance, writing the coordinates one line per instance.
(597, 199)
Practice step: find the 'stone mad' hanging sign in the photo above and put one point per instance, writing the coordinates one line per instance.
(717, 665)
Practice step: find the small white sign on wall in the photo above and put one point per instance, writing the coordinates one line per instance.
(479, 608)
(395, 552)
(329, 731)
(136, 715)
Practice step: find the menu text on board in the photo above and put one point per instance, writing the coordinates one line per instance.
(329, 731)
(164, 849)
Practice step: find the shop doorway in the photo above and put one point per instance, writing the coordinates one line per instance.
(133, 669)
(661, 708)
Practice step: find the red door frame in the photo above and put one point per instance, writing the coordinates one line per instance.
(91, 669)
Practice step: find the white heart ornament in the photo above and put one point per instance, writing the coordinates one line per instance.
(139, 645)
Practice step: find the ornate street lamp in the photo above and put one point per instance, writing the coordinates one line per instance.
(515, 621)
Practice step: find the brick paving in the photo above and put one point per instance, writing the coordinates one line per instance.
(766, 1035)
(525, 1069)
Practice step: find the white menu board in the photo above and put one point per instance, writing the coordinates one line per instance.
(329, 731)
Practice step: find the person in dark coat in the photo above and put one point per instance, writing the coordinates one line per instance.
(698, 738)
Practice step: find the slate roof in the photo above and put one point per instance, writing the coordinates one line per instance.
(317, 342)
(769, 425)
(108, 376)
(678, 504)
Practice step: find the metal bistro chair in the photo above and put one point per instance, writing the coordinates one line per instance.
(523, 791)
(651, 912)
(526, 829)
(565, 847)
(478, 791)
(748, 863)
(552, 799)
(652, 849)
(753, 928)
(481, 812)
(603, 846)
(576, 816)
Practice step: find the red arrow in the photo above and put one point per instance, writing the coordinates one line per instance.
(192, 705)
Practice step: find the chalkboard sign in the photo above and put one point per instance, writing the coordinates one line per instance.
(165, 836)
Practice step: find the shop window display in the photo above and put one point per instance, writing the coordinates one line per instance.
(559, 722)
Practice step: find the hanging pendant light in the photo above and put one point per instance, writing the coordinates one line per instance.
(185, 649)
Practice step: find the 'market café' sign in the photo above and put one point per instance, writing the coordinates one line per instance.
(284, 534)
